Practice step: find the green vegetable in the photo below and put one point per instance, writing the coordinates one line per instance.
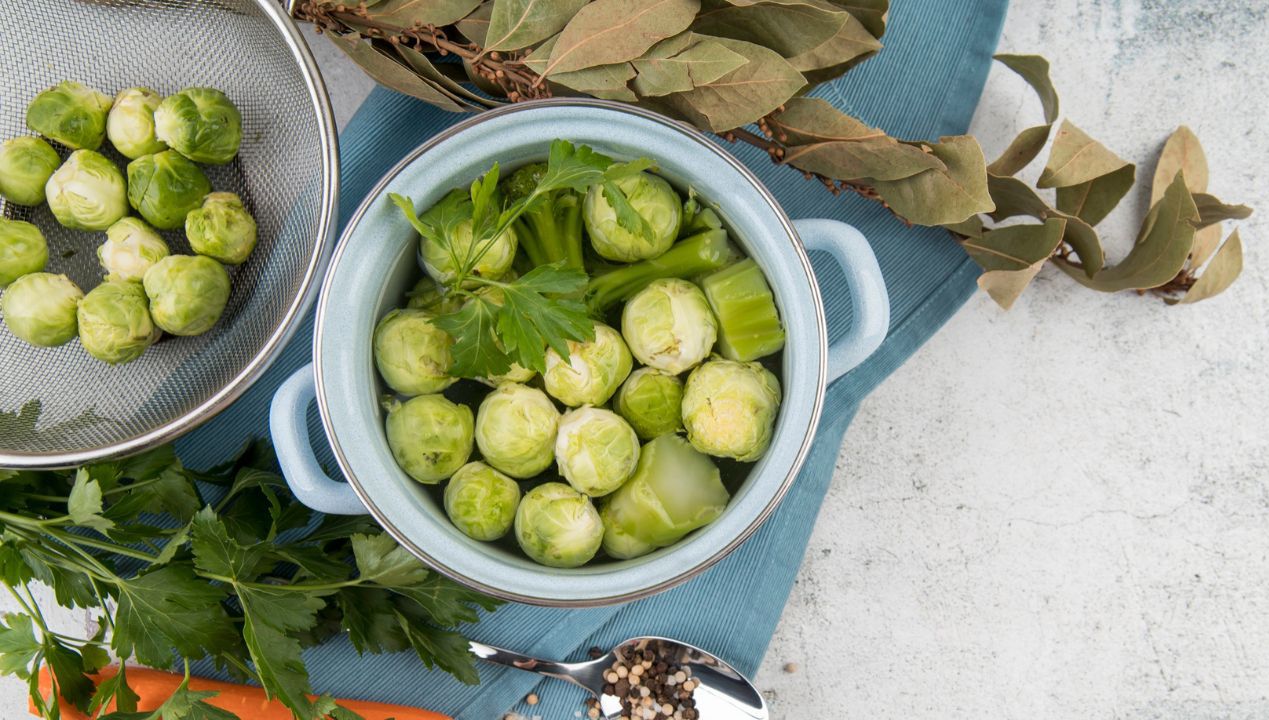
(200, 123)
(669, 326)
(596, 450)
(225, 565)
(26, 163)
(651, 401)
(515, 430)
(557, 526)
(411, 353)
(593, 371)
(632, 218)
(40, 308)
(130, 124)
(729, 408)
(131, 248)
(695, 255)
(427, 295)
(674, 491)
(452, 250)
(221, 229)
(165, 187)
(481, 501)
(22, 250)
(71, 114)
(430, 436)
(114, 322)
(748, 323)
(549, 230)
(187, 293)
(87, 192)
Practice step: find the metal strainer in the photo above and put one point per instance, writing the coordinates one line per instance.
(61, 407)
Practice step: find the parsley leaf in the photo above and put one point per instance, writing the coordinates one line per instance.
(169, 609)
(476, 352)
(84, 505)
(576, 167)
(19, 648)
(380, 559)
(215, 553)
(627, 217)
(270, 619)
(115, 688)
(529, 321)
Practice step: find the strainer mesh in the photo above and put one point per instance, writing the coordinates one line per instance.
(84, 404)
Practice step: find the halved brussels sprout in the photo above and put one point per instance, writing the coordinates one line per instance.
(200, 123)
(130, 124)
(674, 491)
(131, 248)
(515, 430)
(114, 322)
(443, 263)
(412, 354)
(729, 408)
(669, 326)
(222, 229)
(26, 163)
(481, 502)
(557, 526)
(429, 436)
(165, 187)
(593, 372)
(87, 192)
(70, 113)
(651, 401)
(653, 199)
(595, 450)
(22, 250)
(187, 293)
(40, 308)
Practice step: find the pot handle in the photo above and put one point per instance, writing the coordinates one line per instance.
(288, 425)
(867, 288)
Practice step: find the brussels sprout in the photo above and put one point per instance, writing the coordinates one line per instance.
(557, 526)
(651, 401)
(593, 372)
(669, 326)
(70, 113)
(516, 374)
(596, 450)
(481, 501)
(22, 250)
(427, 295)
(222, 229)
(130, 125)
(674, 491)
(729, 408)
(412, 354)
(442, 262)
(187, 293)
(26, 163)
(40, 308)
(655, 202)
(165, 187)
(131, 248)
(87, 192)
(430, 436)
(114, 322)
(515, 430)
(201, 124)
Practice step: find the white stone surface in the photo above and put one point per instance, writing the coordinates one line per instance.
(1060, 511)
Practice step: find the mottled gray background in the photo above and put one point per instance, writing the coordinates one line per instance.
(1061, 511)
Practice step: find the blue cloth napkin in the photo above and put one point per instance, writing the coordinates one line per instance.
(926, 83)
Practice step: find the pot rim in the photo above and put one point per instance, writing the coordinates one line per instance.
(796, 246)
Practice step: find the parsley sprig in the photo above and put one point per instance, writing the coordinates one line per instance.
(502, 322)
(181, 565)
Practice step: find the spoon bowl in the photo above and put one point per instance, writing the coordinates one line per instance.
(719, 691)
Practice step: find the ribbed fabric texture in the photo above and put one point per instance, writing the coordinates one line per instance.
(926, 83)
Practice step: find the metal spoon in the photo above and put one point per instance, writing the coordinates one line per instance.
(722, 692)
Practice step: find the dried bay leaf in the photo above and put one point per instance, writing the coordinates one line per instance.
(1005, 286)
(872, 13)
(1077, 158)
(849, 46)
(1181, 153)
(949, 194)
(1219, 275)
(743, 95)
(681, 63)
(391, 73)
(516, 24)
(873, 159)
(541, 55)
(789, 28)
(609, 82)
(1092, 201)
(1012, 256)
(613, 31)
(807, 120)
(405, 13)
(421, 65)
(475, 27)
(1206, 240)
(1212, 211)
(1014, 198)
(1027, 145)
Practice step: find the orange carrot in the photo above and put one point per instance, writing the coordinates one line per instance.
(245, 701)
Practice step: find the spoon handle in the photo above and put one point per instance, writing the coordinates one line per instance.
(587, 675)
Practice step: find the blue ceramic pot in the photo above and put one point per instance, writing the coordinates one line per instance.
(374, 265)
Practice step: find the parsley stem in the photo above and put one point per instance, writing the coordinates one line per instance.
(27, 522)
(25, 607)
(296, 587)
(35, 608)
